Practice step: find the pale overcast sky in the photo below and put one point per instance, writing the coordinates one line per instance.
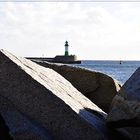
(94, 30)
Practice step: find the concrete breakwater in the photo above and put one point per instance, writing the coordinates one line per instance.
(45, 105)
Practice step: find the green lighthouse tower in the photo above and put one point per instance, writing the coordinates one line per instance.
(66, 48)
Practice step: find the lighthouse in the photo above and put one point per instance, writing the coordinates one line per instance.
(66, 48)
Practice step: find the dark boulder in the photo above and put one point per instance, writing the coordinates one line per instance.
(48, 99)
(125, 108)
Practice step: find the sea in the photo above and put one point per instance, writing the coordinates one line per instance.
(120, 72)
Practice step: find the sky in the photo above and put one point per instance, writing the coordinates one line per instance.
(94, 30)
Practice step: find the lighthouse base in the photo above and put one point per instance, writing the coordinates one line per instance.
(66, 59)
(71, 59)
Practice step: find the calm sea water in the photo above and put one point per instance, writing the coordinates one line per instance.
(121, 72)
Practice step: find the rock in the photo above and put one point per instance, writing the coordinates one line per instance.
(37, 102)
(49, 100)
(125, 108)
(96, 86)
